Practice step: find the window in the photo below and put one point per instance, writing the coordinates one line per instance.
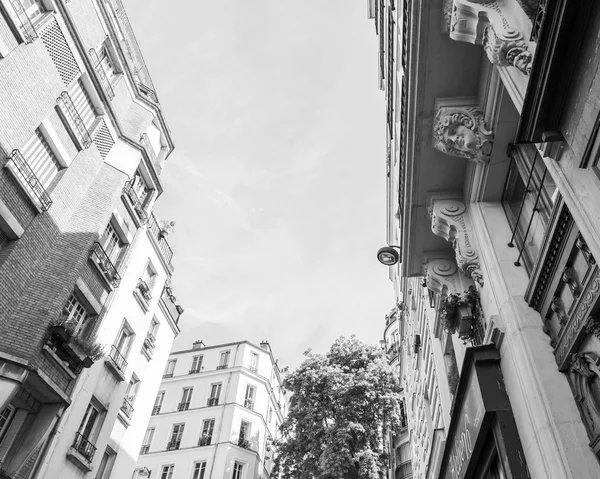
(5, 417)
(215, 392)
(124, 340)
(176, 435)
(140, 187)
(111, 243)
(75, 313)
(147, 442)
(237, 470)
(186, 397)
(41, 159)
(244, 431)
(208, 427)
(199, 470)
(170, 368)
(83, 103)
(130, 395)
(77, 113)
(150, 341)
(167, 472)
(224, 360)
(196, 364)
(158, 402)
(249, 399)
(254, 361)
(106, 63)
(34, 9)
(106, 464)
(528, 199)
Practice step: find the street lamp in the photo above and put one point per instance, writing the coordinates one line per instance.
(388, 255)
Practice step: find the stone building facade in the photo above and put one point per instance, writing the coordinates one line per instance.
(216, 415)
(82, 143)
(493, 201)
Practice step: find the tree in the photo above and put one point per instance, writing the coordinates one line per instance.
(342, 403)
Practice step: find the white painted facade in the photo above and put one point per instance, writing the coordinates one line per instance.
(220, 378)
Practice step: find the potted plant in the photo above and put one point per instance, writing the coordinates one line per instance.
(166, 228)
(459, 311)
(63, 327)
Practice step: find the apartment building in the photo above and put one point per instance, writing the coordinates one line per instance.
(493, 199)
(397, 442)
(82, 143)
(216, 415)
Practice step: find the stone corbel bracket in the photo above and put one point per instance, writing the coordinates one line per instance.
(443, 277)
(450, 220)
(490, 24)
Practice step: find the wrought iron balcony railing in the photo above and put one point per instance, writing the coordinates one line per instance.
(222, 366)
(144, 290)
(28, 180)
(127, 406)
(84, 447)
(101, 74)
(144, 450)
(24, 22)
(212, 402)
(160, 236)
(118, 359)
(204, 440)
(156, 410)
(170, 303)
(149, 342)
(253, 369)
(135, 201)
(244, 443)
(109, 270)
(194, 371)
(183, 406)
(249, 404)
(167, 375)
(173, 445)
(73, 119)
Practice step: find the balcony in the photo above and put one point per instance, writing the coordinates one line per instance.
(136, 204)
(249, 404)
(169, 303)
(222, 366)
(167, 375)
(254, 369)
(67, 348)
(144, 450)
(204, 440)
(149, 344)
(183, 406)
(156, 410)
(26, 178)
(144, 290)
(243, 443)
(23, 22)
(173, 445)
(104, 264)
(101, 74)
(82, 453)
(116, 363)
(194, 371)
(73, 120)
(127, 406)
(212, 402)
(159, 235)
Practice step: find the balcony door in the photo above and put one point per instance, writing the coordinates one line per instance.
(89, 422)
(111, 243)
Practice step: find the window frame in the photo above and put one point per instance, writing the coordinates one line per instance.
(199, 472)
(238, 470)
(128, 341)
(7, 420)
(167, 471)
(197, 363)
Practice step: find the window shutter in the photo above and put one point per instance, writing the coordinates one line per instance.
(83, 104)
(40, 158)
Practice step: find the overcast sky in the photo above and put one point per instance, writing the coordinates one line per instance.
(277, 182)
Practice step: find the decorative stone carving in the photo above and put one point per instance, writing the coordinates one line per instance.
(584, 375)
(462, 131)
(585, 250)
(569, 279)
(593, 326)
(491, 24)
(450, 221)
(442, 278)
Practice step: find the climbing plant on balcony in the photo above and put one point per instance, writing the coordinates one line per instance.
(460, 312)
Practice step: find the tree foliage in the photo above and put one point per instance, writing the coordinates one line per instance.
(341, 405)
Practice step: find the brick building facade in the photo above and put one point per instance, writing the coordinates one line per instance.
(82, 143)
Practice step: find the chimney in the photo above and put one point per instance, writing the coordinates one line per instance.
(265, 345)
(198, 344)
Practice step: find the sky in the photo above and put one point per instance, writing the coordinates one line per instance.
(277, 181)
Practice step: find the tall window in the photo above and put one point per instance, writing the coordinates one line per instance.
(158, 402)
(41, 158)
(237, 470)
(5, 417)
(245, 431)
(208, 427)
(224, 360)
(528, 199)
(249, 399)
(130, 395)
(186, 397)
(254, 361)
(153, 329)
(107, 63)
(196, 364)
(199, 470)
(170, 368)
(75, 312)
(176, 435)
(140, 187)
(106, 464)
(215, 392)
(149, 276)
(89, 422)
(111, 243)
(167, 472)
(147, 442)
(124, 340)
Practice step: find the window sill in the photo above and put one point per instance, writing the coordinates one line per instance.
(141, 300)
(147, 353)
(79, 460)
(53, 355)
(123, 419)
(116, 372)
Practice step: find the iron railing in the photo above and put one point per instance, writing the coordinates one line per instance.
(183, 406)
(160, 237)
(109, 270)
(101, 74)
(244, 443)
(135, 201)
(84, 447)
(222, 366)
(194, 371)
(173, 445)
(26, 26)
(127, 406)
(144, 450)
(253, 368)
(73, 119)
(149, 342)
(118, 359)
(212, 402)
(170, 303)
(249, 404)
(144, 290)
(204, 440)
(167, 375)
(156, 410)
(28, 179)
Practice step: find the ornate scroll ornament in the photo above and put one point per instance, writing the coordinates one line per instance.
(585, 250)
(569, 279)
(557, 308)
(507, 50)
(462, 131)
(442, 277)
(449, 220)
(584, 372)
(489, 24)
(593, 326)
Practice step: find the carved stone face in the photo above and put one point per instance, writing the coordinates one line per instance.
(461, 131)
